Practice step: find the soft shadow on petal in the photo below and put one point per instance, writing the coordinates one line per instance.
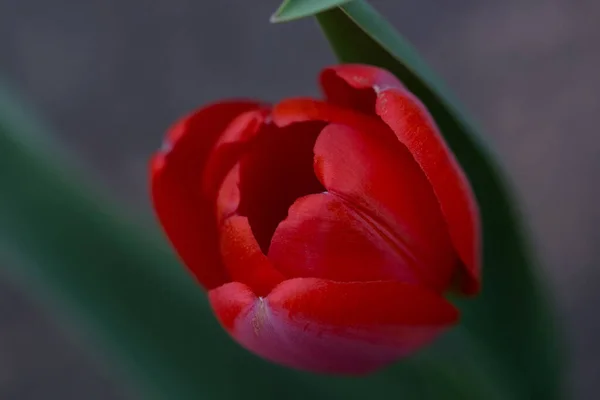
(244, 259)
(235, 141)
(344, 95)
(411, 123)
(276, 171)
(332, 327)
(176, 185)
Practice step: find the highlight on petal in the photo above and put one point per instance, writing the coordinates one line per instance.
(411, 123)
(185, 214)
(231, 301)
(333, 327)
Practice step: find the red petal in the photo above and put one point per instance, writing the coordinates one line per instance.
(244, 259)
(356, 82)
(232, 144)
(176, 178)
(228, 196)
(324, 237)
(230, 301)
(414, 127)
(301, 109)
(383, 181)
(325, 326)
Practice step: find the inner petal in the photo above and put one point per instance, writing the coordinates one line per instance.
(244, 260)
(277, 170)
(325, 237)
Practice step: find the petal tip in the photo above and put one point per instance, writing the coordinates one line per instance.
(361, 76)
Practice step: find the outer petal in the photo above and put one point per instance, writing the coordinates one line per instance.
(176, 185)
(412, 124)
(332, 327)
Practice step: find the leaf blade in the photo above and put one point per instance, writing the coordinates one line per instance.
(295, 9)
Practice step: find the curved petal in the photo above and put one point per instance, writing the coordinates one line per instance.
(243, 258)
(324, 237)
(356, 81)
(355, 92)
(232, 144)
(379, 177)
(232, 301)
(301, 109)
(410, 121)
(187, 216)
(332, 327)
(228, 196)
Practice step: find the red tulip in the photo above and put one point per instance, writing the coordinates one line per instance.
(325, 232)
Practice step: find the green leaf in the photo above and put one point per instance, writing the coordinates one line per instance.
(118, 280)
(294, 9)
(512, 318)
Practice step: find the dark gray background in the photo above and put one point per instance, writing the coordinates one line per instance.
(111, 75)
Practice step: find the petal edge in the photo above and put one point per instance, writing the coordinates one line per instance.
(187, 216)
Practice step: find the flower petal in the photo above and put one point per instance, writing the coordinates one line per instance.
(243, 258)
(325, 237)
(332, 327)
(187, 216)
(356, 82)
(378, 176)
(410, 121)
(235, 140)
(301, 109)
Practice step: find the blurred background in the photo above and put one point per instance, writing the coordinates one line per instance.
(110, 75)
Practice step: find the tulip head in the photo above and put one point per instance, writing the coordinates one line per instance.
(326, 232)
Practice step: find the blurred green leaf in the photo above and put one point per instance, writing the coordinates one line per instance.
(294, 9)
(512, 318)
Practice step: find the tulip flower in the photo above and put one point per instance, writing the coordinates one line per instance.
(327, 233)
